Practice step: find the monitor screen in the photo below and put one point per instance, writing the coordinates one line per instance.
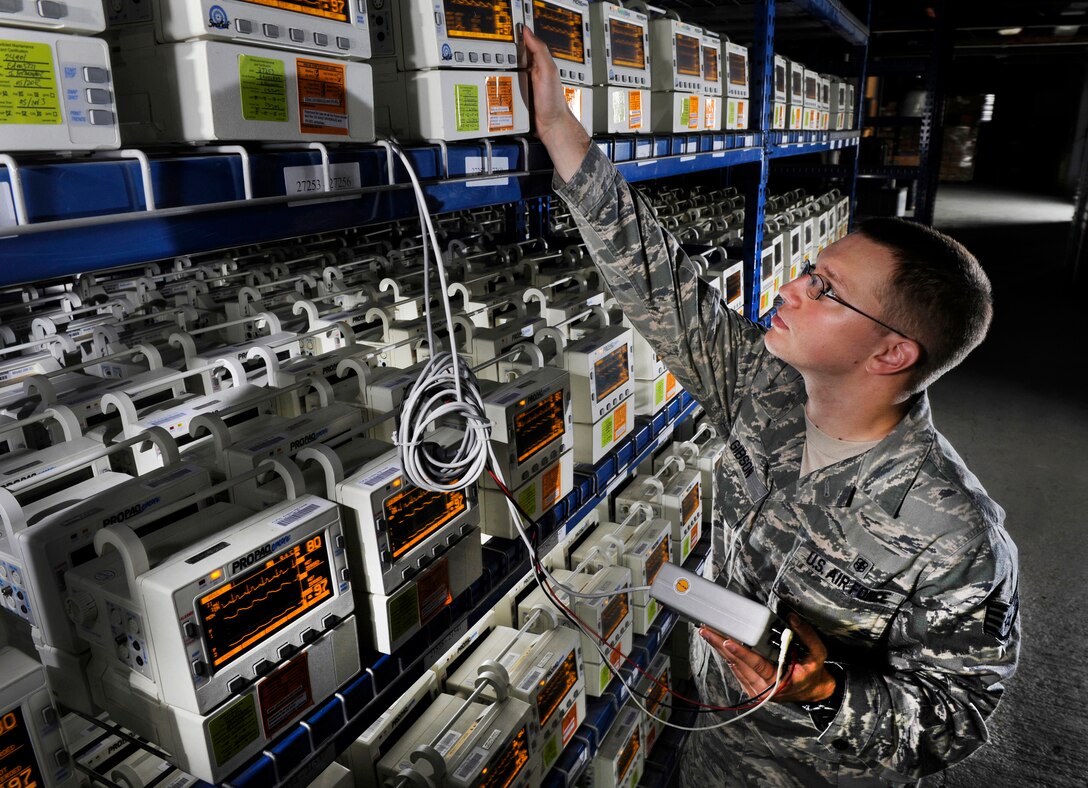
(710, 64)
(611, 372)
(738, 69)
(412, 514)
(780, 78)
(561, 29)
(538, 426)
(243, 612)
(507, 766)
(614, 614)
(691, 502)
(336, 10)
(627, 44)
(687, 56)
(627, 756)
(18, 763)
(658, 558)
(487, 20)
(733, 287)
(553, 691)
(811, 89)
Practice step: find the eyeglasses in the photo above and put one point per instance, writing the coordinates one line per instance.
(818, 287)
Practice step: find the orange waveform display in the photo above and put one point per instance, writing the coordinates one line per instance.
(489, 20)
(327, 9)
(413, 514)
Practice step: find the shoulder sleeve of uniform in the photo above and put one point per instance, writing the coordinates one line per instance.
(713, 352)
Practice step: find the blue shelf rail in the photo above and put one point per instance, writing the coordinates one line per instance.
(302, 753)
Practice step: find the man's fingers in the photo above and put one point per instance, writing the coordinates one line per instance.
(807, 635)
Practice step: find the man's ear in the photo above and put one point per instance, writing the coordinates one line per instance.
(897, 356)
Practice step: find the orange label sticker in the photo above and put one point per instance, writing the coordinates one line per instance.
(322, 97)
(550, 486)
(574, 100)
(619, 426)
(670, 384)
(710, 112)
(434, 591)
(500, 104)
(693, 112)
(285, 694)
(634, 109)
(570, 724)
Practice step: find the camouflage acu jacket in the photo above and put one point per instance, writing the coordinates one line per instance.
(898, 557)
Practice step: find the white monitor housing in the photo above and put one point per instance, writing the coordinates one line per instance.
(459, 33)
(677, 55)
(60, 16)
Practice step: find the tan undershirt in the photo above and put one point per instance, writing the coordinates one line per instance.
(822, 450)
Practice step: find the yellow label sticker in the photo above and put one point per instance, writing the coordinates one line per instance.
(322, 97)
(685, 110)
(263, 83)
(659, 391)
(606, 430)
(500, 104)
(527, 499)
(731, 114)
(232, 730)
(467, 107)
(693, 112)
(28, 85)
(651, 611)
(634, 109)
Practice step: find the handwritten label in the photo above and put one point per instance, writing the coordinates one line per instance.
(263, 83)
(322, 97)
(467, 107)
(28, 84)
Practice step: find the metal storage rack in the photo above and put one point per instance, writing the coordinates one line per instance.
(66, 216)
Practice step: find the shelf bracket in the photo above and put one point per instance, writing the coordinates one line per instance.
(17, 196)
(247, 183)
(445, 150)
(317, 146)
(145, 170)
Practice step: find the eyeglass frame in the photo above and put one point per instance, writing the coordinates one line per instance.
(809, 270)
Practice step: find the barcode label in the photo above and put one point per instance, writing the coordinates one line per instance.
(471, 764)
(451, 738)
(298, 514)
(531, 680)
(169, 478)
(379, 477)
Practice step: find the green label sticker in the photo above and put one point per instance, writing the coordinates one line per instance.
(467, 102)
(403, 612)
(732, 113)
(685, 114)
(651, 611)
(28, 84)
(550, 751)
(527, 499)
(233, 729)
(606, 430)
(659, 391)
(686, 548)
(264, 88)
(606, 676)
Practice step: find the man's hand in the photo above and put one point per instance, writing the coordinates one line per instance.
(808, 681)
(553, 122)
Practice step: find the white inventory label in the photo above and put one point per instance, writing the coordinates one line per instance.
(531, 679)
(310, 179)
(474, 165)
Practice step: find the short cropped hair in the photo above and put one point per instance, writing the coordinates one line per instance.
(939, 294)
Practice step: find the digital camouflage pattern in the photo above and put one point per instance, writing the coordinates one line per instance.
(898, 557)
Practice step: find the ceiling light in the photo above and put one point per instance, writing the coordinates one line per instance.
(1010, 31)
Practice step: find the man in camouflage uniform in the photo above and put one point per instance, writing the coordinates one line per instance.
(839, 505)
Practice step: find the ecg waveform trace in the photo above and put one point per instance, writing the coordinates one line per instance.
(561, 29)
(413, 514)
(539, 425)
(627, 43)
(489, 20)
(329, 9)
(243, 612)
(612, 371)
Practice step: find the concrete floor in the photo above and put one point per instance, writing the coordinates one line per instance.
(1013, 412)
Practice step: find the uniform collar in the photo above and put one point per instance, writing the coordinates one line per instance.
(891, 467)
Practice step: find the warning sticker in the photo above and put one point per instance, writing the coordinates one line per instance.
(233, 729)
(527, 499)
(570, 724)
(693, 112)
(670, 384)
(28, 84)
(467, 107)
(404, 613)
(710, 112)
(606, 430)
(634, 109)
(620, 425)
(434, 591)
(322, 97)
(550, 484)
(500, 104)
(263, 84)
(574, 100)
(285, 693)
(619, 108)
